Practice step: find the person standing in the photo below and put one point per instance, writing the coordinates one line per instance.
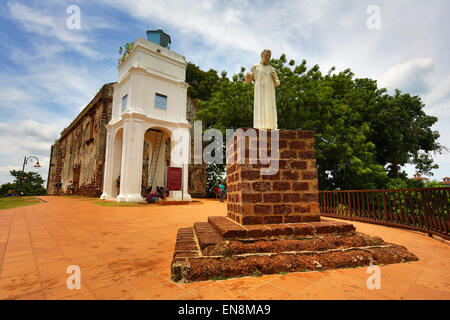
(118, 184)
(221, 191)
(69, 187)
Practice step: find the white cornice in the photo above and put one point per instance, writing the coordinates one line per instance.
(151, 73)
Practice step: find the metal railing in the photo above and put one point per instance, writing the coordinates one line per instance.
(426, 210)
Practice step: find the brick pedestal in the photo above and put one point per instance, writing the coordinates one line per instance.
(273, 222)
(289, 196)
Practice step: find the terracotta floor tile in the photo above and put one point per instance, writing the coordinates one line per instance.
(422, 292)
(11, 287)
(102, 281)
(376, 294)
(217, 291)
(115, 291)
(291, 283)
(269, 291)
(164, 291)
(37, 295)
(148, 282)
(243, 284)
(319, 291)
(80, 296)
(61, 291)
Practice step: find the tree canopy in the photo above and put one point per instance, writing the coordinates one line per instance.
(30, 183)
(363, 134)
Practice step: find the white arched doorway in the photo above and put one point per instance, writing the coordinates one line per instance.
(117, 161)
(156, 157)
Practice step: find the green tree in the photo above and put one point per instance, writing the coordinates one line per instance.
(30, 183)
(402, 133)
(201, 82)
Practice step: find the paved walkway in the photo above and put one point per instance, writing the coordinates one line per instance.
(125, 253)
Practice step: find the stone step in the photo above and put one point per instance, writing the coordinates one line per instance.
(229, 229)
(207, 235)
(185, 246)
(209, 267)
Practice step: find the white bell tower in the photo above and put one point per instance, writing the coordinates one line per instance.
(149, 98)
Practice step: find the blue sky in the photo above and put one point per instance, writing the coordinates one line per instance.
(50, 72)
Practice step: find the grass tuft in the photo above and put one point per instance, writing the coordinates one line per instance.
(15, 202)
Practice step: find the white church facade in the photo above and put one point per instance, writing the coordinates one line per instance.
(148, 131)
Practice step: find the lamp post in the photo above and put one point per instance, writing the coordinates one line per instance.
(25, 161)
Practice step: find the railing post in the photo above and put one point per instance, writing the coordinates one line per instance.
(426, 212)
(349, 204)
(384, 205)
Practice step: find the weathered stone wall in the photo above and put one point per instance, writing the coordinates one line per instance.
(197, 172)
(79, 154)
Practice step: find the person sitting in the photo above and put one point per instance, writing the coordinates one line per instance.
(160, 193)
(151, 196)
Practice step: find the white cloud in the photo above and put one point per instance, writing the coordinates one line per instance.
(31, 129)
(411, 76)
(36, 21)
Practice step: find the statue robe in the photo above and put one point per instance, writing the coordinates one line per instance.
(264, 107)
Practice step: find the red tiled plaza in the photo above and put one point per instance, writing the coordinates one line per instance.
(126, 253)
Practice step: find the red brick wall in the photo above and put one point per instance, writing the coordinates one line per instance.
(291, 195)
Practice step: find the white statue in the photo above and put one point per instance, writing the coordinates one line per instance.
(265, 77)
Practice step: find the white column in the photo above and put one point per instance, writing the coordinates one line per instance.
(179, 157)
(107, 173)
(132, 151)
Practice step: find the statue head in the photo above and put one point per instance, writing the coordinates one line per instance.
(265, 56)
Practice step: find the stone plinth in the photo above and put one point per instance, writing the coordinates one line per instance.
(291, 195)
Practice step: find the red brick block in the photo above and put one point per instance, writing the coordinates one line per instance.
(291, 197)
(273, 219)
(288, 175)
(290, 154)
(281, 186)
(297, 145)
(250, 175)
(309, 175)
(288, 134)
(310, 197)
(252, 220)
(262, 209)
(251, 197)
(282, 144)
(307, 155)
(261, 186)
(300, 165)
(302, 208)
(282, 209)
(272, 177)
(244, 186)
(300, 186)
(272, 197)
